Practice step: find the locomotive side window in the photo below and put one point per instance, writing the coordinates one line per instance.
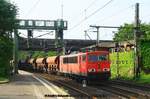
(65, 60)
(73, 59)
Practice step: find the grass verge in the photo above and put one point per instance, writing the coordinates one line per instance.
(144, 79)
(4, 79)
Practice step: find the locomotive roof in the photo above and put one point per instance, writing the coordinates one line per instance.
(81, 53)
(98, 52)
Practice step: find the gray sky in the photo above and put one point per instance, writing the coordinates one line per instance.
(116, 13)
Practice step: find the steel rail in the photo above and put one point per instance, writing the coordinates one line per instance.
(123, 91)
(59, 82)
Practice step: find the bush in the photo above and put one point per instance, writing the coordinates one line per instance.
(8, 23)
(145, 55)
(6, 53)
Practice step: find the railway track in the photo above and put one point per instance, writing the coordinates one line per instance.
(81, 92)
(117, 89)
(124, 90)
(132, 85)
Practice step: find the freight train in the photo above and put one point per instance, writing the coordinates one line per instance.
(87, 66)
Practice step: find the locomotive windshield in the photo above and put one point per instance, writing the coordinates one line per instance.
(95, 58)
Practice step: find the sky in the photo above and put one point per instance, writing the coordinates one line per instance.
(80, 14)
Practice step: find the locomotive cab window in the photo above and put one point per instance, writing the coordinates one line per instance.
(103, 57)
(95, 58)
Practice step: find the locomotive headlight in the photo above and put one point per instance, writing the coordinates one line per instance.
(106, 69)
(91, 70)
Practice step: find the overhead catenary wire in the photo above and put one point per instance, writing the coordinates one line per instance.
(93, 13)
(51, 33)
(112, 15)
(115, 14)
(33, 7)
(89, 29)
(146, 16)
(99, 9)
(84, 11)
(91, 4)
(23, 34)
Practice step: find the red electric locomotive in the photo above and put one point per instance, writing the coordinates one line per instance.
(82, 66)
(89, 65)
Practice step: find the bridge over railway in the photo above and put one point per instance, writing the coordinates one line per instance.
(49, 44)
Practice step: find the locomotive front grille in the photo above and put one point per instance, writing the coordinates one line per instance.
(98, 75)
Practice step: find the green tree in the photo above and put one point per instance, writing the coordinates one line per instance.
(23, 55)
(52, 53)
(145, 29)
(8, 23)
(127, 32)
(6, 51)
(8, 20)
(37, 54)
